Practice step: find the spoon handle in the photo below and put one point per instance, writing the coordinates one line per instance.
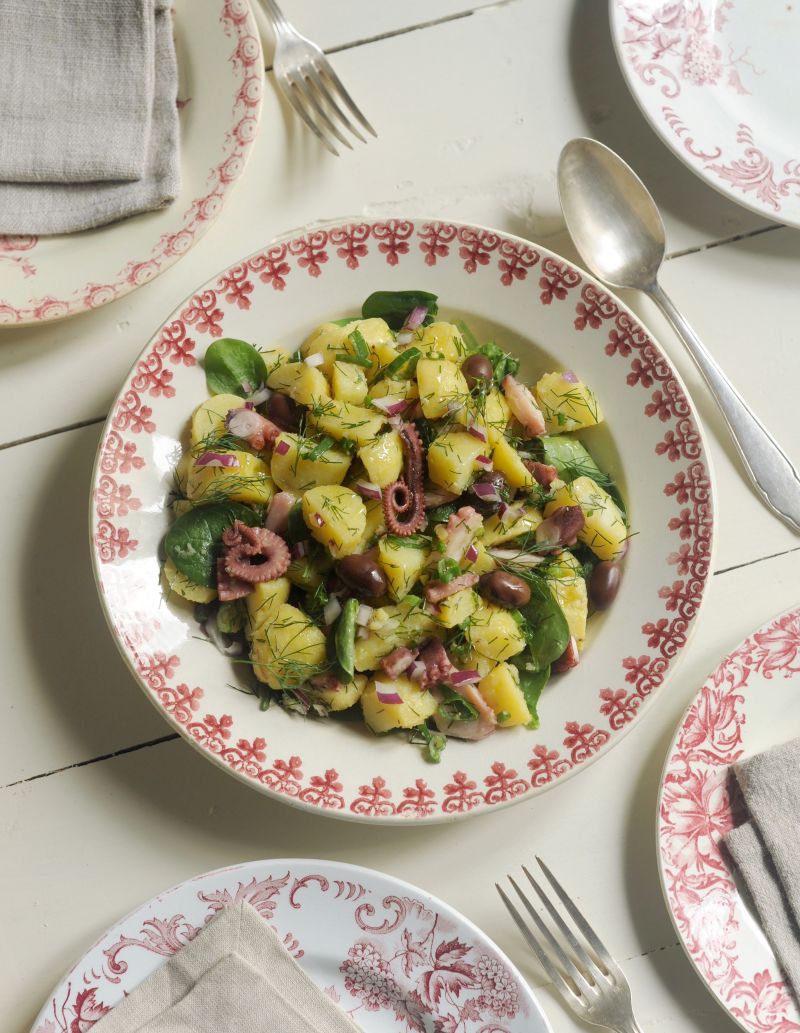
(771, 471)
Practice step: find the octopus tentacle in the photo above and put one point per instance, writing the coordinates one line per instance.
(405, 497)
(254, 554)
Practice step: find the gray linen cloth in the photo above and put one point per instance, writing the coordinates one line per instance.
(767, 848)
(234, 977)
(88, 117)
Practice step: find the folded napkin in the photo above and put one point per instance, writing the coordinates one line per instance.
(767, 848)
(88, 117)
(234, 977)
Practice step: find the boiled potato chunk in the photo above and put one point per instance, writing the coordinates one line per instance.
(451, 460)
(514, 523)
(250, 481)
(476, 662)
(567, 404)
(568, 586)
(443, 338)
(493, 633)
(329, 340)
(604, 530)
(375, 525)
(305, 384)
(508, 462)
(288, 649)
(275, 357)
(344, 696)
(492, 413)
(336, 517)
(416, 705)
(342, 420)
(442, 387)
(500, 688)
(178, 583)
(402, 565)
(208, 419)
(293, 473)
(485, 563)
(455, 608)
(263, 601)
(304, 573)
(383, 458)
(395, 390)
(402, 624)
(349, 383)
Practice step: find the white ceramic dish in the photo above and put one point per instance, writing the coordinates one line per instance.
(507, 289)
(220, 68)
(366, 939)
(718, 83)
(748, 704)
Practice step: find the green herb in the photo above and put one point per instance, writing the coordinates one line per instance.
(502, 717)
(345, 638)
(434, 742)
(312, 449)
(467, 336)
(426, 429)
(454, 707)
(410, 358)
(234, 367)
(297, 529)
(354, 360)
(360, 345)
(459, 645)
(265, 701)
(502, 362)
(532, 683)
(394, 306)
(410, 541)
(413, 601)
(447, 569)
(345, 320)
(316, 601)
(441, 514)
(231, 617)
(193, 541)
(348, 445)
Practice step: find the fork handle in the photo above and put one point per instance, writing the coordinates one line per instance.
(274, 12)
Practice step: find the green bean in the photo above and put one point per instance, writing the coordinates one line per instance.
(346, 638)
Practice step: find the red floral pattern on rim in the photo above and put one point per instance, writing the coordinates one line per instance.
(697, 809)
(619, 338)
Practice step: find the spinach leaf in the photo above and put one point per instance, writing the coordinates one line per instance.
(543, 624)
(502, 362)
(192, 543)
(532, 683)
(394, 306)
(454, 707)
(297, 529)
(234, 367)
(441, 514)
(569, 456)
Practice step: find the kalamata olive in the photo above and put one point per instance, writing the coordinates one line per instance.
(476, 368)
(283, 411)
(363, 575)
(604, 584)
(504, 589)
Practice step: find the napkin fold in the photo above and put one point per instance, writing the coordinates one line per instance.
(88, 117)
(766, 848)
(234, 976)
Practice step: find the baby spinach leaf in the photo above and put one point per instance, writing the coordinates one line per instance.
(532, 683)
(394, 306)
(502, 362)
(234, 367)
(543, 624)
(192, 543)
(454, 707)
(570, 457)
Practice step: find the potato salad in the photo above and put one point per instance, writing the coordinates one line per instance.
(387, 524)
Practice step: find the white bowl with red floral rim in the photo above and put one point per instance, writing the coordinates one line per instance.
(749, 703)
(390, 955)
(554, 317)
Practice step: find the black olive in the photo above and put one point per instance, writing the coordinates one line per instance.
(604, 584)
(363, 575)
(505, 589)
(476, 368)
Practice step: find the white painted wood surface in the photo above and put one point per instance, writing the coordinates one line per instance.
(473, 102)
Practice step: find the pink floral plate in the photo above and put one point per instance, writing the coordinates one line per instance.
(554, 317)
(393, 957)
(748, 704)
(220, 68)
(717, 80)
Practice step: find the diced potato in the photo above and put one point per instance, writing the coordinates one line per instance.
(274, 357)
(492, 413)
(396, 390)
(567, 405)
(305, 574)
(349, 383)
(293, 473)
(492, 632)
(336, 517)
(263, 602)
(250, 481)
(329, 340)
(500, 688)
(383, 458)
(402, 565)
(402, 624)
(444, 338)
(305, 384)
(342, 420)
(382, 353)
(485, 563)
(514, 523)
(569, 590)
(508, 462)
(288, 649)
(416, 705)
(604, 530)
(455, 608)
(375, 525)
(343, 697)
(451, 460)
(476, 662)
(208, 419)
(178, 583)
(442, 387)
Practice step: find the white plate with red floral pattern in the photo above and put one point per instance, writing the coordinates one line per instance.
(748, 704)
(554, 317)
(717, 80)
(390, 955)
(220, 69)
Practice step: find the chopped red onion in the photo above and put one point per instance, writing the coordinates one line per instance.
(569, 376)
(247, 405)
(485, 462)
(389, 406)
(314, 360)
(368, 489)
(247, 387)
(396, 423)
(520, 559)
(405, 337)
(299, 550)
(464, 677)
(386, 694)
(225, 459)
(486, 491)
(364, 615)
(415, 317)
(415, 670)
(282, 448)
(471, 554)
(318, 519)
(478, 432)
(502, 510)
(332, 610)
(244, 422)
(261, 395)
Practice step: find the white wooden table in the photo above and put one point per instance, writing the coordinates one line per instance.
(100, 807)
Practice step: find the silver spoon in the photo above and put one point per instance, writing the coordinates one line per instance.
(617, 229)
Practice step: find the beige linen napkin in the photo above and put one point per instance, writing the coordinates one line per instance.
(234, 977)
(767, 848)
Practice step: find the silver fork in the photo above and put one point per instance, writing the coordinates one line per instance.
(310, 84)
(587, 977)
